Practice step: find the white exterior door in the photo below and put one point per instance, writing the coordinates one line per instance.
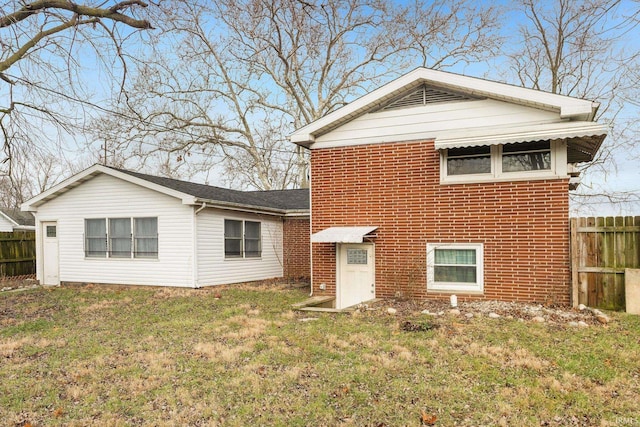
(356, 277)
(50, 253)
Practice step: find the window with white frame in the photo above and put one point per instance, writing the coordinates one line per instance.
(499, 162)
(455, 267)
(471, 160)
(531, 156)
(145, 237)
(242, 239)
(113, 237)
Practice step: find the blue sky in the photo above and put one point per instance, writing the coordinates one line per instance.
(625, 176)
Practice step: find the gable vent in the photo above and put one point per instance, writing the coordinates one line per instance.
(426, 95)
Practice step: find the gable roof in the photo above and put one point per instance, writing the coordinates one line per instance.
(574, 116)
(190, 193)
(18, 218)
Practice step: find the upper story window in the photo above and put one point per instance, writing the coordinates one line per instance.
(528, 160)
(532, 156)
(464, 161)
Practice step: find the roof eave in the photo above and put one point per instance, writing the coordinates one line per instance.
(91, 172)
(240, 207)
(568, 107)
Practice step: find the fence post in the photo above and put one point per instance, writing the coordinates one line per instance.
(573, 227)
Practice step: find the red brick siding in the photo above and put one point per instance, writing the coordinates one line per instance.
(524, 225)
(296, 248)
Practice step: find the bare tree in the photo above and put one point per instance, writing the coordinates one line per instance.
(33, 170)
(228, 82)
(580, 48)
(48, 46)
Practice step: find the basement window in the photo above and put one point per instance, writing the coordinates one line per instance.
(454, 267)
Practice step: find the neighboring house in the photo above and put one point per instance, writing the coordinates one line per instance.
(438, 184)
(14, 220)
(112, 226)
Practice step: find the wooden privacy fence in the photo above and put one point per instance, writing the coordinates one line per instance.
(601, 248)
(17, 253)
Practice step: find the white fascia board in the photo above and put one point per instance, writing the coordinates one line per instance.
(32, 204)
(568, 107)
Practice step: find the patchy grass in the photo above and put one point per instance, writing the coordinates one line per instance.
(143, 356)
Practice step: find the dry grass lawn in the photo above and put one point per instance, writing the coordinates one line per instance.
(82, 356)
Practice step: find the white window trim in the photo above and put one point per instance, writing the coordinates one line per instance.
(558, 168)
(132, 254)
(470, 288)
(243, 252)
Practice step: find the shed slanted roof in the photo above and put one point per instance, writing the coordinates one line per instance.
(20, 218)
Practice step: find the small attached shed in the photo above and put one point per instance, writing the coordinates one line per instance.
(114, 226)
(14, 220)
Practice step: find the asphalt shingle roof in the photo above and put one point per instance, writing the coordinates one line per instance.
(297, 199)
(21, 218)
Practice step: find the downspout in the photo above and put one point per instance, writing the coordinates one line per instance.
(204, 205)
(195, 244)
(310, 231)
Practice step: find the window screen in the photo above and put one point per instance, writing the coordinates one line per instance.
(526, 157)
(120, 237)
(145, 237)
(252, 239)
(232, 238)
(462, 161)
(95, 231)
(455, 265)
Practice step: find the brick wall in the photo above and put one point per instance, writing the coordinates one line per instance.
(296, 249)
(524, 225)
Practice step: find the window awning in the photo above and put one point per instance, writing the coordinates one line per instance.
(342, 234)
(583, 138)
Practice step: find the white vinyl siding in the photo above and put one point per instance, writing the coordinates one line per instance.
(455, 267)
(433, 121)
(216, 269)
(108, 197)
